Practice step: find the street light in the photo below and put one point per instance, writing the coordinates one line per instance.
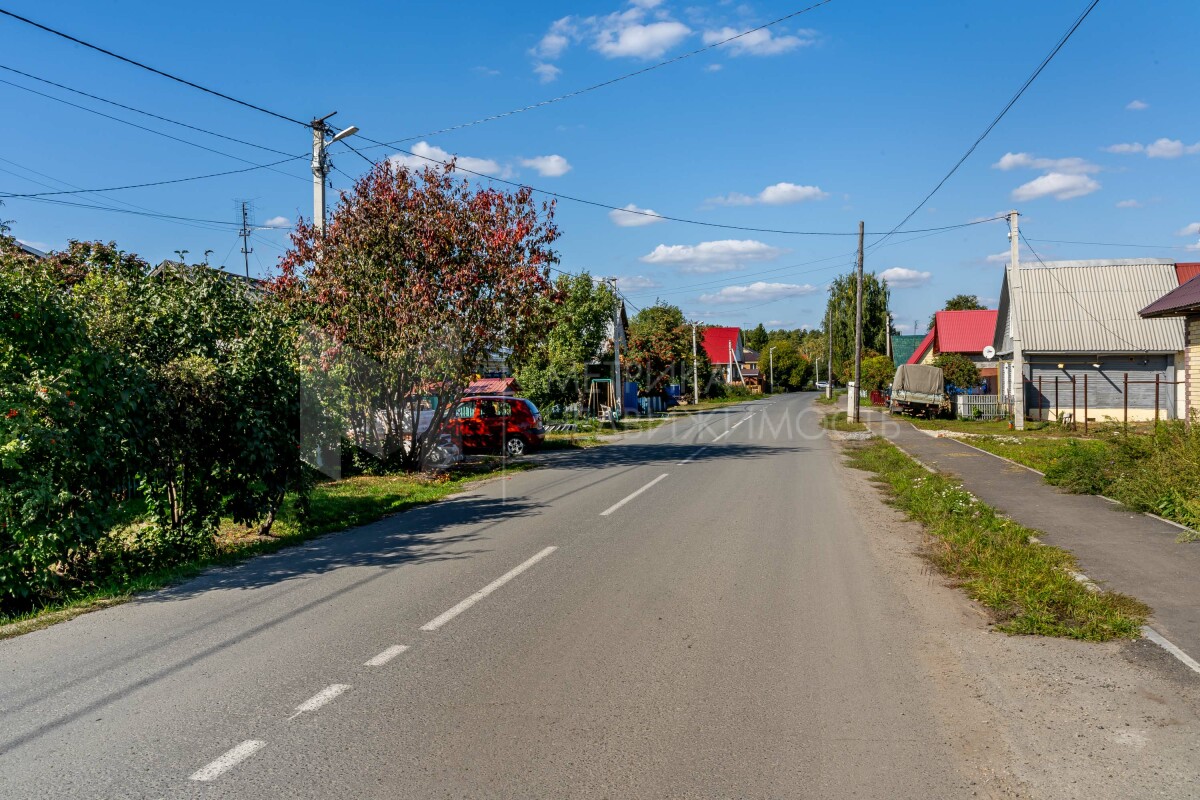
(320, 164)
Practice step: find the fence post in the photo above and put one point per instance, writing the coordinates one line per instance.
(1056, 417)
(1156, 384)
(1085, 403)
(1074, 406)
(1125, 398)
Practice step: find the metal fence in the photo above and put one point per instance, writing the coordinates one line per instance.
(979, 406)
(1065, 398)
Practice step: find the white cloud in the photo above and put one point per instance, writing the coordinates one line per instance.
(757, 292)
(633, 217)
(717, 67)
(278, 222)
(1160, 148)
(425, 155)
(552, 166)
(1069, 166)
(1190, 230)
(1129, 204)
(637, 282)
(557, 39)
(620, 37)
(1003, 257)
(718, 256)
(487, 71)
(1195, 246)
(547, 73)
(1137, 105)
(760, 42)
(903, 278)
(1060, 186)
(1170, 148)
(775, 195)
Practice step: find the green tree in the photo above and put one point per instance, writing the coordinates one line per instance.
(960, 302)
(877, 372)
(958, 370)
(841, 315)
(659, 347)
(792, 369)
(574, 319)
(756, 338)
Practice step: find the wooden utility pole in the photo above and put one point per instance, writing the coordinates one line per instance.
(858, 322)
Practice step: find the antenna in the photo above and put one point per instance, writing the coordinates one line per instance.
(247, 211)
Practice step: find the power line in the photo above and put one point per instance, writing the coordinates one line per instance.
(148, 68)
(157, 183)
(603, 84)
(139, 111)
(684, 220)
(1112, 244)
(1028, 82)
(143, 127)
(150, 214)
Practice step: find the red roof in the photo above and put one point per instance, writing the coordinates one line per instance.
(966, 332)
(1182, 300)
(1185, 272)
(718, 341)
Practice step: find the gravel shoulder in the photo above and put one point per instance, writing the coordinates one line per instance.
(1041, 717)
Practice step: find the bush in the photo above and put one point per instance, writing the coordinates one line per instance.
(1081, 468)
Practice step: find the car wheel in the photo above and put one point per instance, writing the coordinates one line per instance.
(515, 447)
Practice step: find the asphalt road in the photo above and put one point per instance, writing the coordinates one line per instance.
(690, 613)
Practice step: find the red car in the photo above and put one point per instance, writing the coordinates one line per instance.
(511, 425)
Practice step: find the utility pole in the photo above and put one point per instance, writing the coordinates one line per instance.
(618, 399)
(1017, 384)
(320, 164)
(829, 341)
(695, 368)
(889, 335)
(771, 358)
(858, 325)
(245, 234)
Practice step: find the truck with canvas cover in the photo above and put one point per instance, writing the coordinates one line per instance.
(918, 389)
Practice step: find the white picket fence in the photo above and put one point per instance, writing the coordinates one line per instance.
(978, 406)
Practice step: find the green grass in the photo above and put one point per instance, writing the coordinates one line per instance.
(1028, 588)
(1035, 453)
(335, 505)
(840, 421)
(829, 401)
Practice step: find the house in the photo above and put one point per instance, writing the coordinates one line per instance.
(256, 285)
(494, 386)
(1086, 348)
(1184, 302)
(751, 373)
(904, 345)
(963, 332)
(726, 350)
(33, 251)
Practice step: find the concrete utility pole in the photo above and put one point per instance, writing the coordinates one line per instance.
(889, 335)
(618, 398)
(829, 341)
(245, 234)
(817, 371)
(1017, 384)
(771, 358)
(320, 164)
(695, 368)
(858, 322)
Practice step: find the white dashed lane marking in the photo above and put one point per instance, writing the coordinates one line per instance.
(323, 697)
(231, 759)
(620, 503)
(441, 620)
(386, 655)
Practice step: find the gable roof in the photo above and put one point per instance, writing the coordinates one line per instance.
(1185, 272)
(1177, 302)
(923, 347)
(965, 332)
(1091, 307)
(718, 341)
(505, 386)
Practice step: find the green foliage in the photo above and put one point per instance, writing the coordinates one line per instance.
(756, 338)
(877, 372)
(960, 302)
(1081, 467)
(792, 370)
(553, 370)
(840, 312)
(659, 347)
(957, 370)
(1029, 588)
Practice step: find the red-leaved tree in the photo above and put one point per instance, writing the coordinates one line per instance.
(416, 278)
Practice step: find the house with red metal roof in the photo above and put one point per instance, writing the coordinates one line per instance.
(963, 332)
(727, 350)
(1184, 301)
(1185, 272)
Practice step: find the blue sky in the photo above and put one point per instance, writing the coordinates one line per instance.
(852, 111)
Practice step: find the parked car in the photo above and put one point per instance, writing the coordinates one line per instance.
(487, 423)
(822, 385)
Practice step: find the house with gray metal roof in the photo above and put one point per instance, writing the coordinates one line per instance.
(1088, 352)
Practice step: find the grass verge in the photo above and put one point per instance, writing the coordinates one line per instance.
(335, 506)
(1028, 588)
(822, 400)
(840, 421)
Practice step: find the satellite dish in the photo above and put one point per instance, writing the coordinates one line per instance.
(989, 352)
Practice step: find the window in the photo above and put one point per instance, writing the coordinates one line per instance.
(503, 409)
(465, 411)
